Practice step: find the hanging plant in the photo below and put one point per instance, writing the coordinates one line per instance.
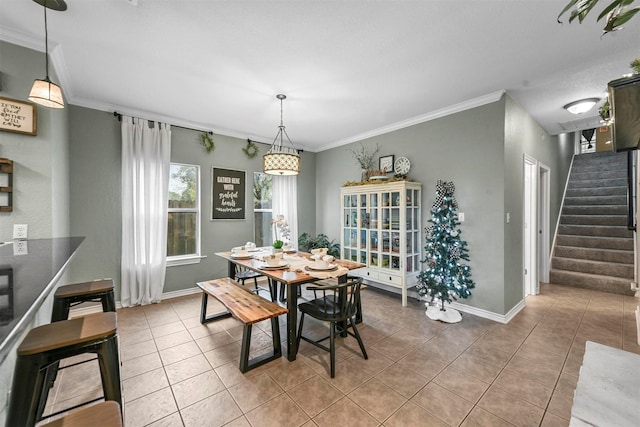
(251, 150)
(605, 111)
(616, 12)
(206, 141)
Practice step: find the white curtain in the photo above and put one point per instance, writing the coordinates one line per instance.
(145, 179)
(285, 202)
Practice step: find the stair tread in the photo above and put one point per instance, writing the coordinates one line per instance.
(578, 273)
(594, 249)
(590, 261)
(596, 237)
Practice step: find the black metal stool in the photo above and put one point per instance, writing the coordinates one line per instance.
(48, 344)
(68, 296)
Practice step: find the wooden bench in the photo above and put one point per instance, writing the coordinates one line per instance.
(248, 308)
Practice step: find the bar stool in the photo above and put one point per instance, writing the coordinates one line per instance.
(48, 344)
(105, 414)
(68, 296)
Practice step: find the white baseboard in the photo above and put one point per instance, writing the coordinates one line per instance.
(500, 318)
(97, 308)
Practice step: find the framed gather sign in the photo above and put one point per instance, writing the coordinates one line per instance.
(18, 116)
(228, 193)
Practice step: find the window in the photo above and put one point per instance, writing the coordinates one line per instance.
(183, 226)
(262, 208)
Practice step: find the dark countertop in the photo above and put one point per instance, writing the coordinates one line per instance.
(26, 280)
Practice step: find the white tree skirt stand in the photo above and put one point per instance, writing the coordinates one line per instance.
(448, 315)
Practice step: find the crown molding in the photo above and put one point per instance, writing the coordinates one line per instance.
(446, 111)
(20, 38)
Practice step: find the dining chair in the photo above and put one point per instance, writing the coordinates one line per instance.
(336, 304)
(242, 274)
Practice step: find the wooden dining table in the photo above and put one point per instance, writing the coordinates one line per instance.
(291, 279)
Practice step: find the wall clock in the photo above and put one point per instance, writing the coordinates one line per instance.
(402, 166)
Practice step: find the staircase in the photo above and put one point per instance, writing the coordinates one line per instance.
(594, 249)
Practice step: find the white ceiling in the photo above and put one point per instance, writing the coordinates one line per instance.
(350, 69)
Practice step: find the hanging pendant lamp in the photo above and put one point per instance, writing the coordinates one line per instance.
(281, 160)
(45, 92)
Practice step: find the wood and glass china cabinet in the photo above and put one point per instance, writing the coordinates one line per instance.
(381, 228)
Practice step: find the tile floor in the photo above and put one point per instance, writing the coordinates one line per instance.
(177, 372)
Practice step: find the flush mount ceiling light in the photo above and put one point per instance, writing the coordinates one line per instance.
(581, 106)
(280, 159)
(45, 92)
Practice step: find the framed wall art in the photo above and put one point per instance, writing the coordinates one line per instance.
(18, 116)
(228, 195)
(386, 164)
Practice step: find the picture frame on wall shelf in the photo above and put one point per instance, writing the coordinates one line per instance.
(18, 116)
(386, 163)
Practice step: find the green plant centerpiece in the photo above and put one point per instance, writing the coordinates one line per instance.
(306, 242)
(365, 159)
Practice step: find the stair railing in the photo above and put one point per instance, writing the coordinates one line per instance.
(631, 190)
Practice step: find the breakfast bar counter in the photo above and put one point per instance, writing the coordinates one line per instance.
(29, 272)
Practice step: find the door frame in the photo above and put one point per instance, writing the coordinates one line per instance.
(544, 209)
(530, 226)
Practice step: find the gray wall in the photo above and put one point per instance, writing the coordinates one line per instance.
(480, 150)
(96, 204)
(40, 179)
(524, 136)
(466, 148)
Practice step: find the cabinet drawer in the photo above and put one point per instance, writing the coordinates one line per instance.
(391, 279)
(367, 273)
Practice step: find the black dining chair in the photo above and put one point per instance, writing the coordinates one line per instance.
(242, 274)
(336, 304)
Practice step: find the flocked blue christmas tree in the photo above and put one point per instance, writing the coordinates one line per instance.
(445, 278)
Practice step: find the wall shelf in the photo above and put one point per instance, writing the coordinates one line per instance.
(6, 177)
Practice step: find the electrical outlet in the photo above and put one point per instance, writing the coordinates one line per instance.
(461, 216)
(20, 247)
(20, 231)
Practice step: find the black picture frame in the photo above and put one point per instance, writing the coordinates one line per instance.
(386, 162)
(228, 193)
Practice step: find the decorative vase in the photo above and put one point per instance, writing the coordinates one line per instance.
(364, 175)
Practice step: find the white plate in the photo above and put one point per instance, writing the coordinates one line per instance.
(241, 256)
(254, 250)
(318, 268)
(274, 267)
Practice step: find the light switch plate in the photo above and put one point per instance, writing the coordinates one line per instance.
(20, 231)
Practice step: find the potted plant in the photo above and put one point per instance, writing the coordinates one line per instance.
(307, 242)
(365, 159)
